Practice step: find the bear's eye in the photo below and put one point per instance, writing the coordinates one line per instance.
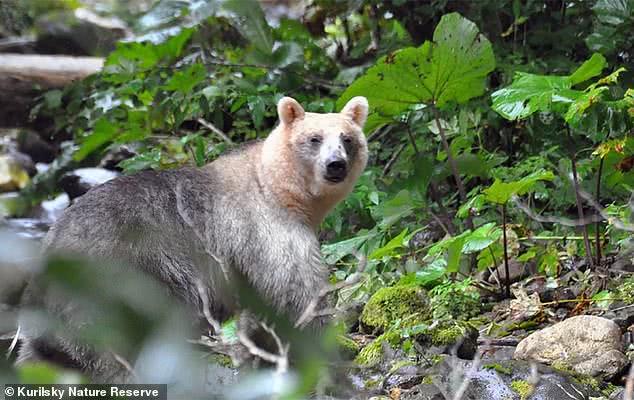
(347, 140)
(315, 139)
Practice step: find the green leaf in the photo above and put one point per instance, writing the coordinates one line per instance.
(184, 81)
(613, 12)
(481, 238)
(257, 108)
(530, 93)
(452, 68)
(395, 243)
(336, 251)
(248, 18)
(44, 373)
(589, 69)
(395, 209)
(229, 331)
(103, 132)
(454, 251)
(427, 275)
(501, 192)
(603, 299)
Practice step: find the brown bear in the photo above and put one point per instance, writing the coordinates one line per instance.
(255, 211)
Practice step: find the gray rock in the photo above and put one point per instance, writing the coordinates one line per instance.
(517, 271)
(589, 345)
(78, 32)
(79, 181)
(497, 382)
(31, 144)
(621, 314)
(13, 176)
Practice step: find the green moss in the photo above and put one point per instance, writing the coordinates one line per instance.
(410, 304)
(372, 354)
(499, 368)
(455, 300)
(523, 388)
(220, 359)
(625, 291)
(428, 380)
(448, 333)
(585, 380)
(348, 347)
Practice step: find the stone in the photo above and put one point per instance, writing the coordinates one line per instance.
(517, 271)
(31, 144)
(505, 380)
(12, 174)
(78, 32)
(408, 303)
(79, 181)
(586, 344)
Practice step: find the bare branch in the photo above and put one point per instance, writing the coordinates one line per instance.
(125, 365)
(202, 293)
(280, 360)
(14, 342)
(310, 312)
(215, 130)
(629, 385)
(282, 366)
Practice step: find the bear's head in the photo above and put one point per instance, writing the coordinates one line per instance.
(319, 156)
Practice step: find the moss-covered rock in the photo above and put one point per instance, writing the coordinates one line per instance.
(347, 347)
(450, 336)
(372, 354)
(455, 300)
(410, 304)
(523, 388)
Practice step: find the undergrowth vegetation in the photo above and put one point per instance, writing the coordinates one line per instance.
(500, 132)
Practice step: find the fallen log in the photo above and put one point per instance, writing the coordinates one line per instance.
(23, 77)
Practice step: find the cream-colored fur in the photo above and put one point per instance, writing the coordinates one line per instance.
(297, 186)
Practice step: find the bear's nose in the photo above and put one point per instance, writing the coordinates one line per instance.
(336, 169)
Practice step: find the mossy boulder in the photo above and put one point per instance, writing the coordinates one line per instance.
(372, 354)
(452, 336)
(348, 348)
(408, 303)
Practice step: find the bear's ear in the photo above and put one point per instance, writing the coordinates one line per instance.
(289, 110)
(357, 110)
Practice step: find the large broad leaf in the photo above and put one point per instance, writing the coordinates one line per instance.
(481, 238)
(247, 16)
(389, 248)
(530, 93)
(501, 192)
(614, 19)
(402, 205)
(103, 133)
(452, 68)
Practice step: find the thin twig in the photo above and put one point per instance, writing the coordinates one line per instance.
(14, 342)
(125, 365)
(475, 364)
(202, 293)
(629, 385)
(392, 160)
(276, 359)
(452, 163)
(584, 228)
(311, 312)
(282, 366)
(215, 130)
(439, 221)
(597, 233)
(506, 256)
